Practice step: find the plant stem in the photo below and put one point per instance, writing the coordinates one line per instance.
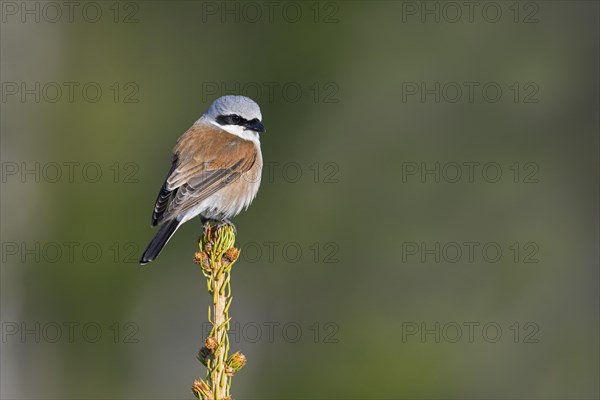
(216, 257)
(220, 326)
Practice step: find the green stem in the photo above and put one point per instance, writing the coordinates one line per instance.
(216, 257)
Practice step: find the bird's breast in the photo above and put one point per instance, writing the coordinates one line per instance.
(238, 195)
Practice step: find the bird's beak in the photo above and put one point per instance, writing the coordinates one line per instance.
(256, 126)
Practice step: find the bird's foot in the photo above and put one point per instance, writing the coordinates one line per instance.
(205, 228)
(207, 224)
(224, 222)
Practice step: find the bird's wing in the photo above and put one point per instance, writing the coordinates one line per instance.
(206, 160)
(162, 200)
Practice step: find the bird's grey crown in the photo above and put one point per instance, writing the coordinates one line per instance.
(238, 105)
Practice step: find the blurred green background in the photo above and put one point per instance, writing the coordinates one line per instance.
(365, 310)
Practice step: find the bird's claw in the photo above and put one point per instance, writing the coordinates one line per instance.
(206, 225)
(224, 222)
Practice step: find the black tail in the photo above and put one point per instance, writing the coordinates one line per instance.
(160, 240)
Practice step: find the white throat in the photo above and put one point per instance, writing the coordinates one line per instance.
(239, 131)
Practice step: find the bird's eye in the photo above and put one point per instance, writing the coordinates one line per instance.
(230, 119)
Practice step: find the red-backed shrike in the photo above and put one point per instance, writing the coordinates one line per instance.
(216, 170)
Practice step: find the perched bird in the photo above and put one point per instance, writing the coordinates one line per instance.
(216, 170)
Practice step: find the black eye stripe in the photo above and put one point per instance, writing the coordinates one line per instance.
(231, 119)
